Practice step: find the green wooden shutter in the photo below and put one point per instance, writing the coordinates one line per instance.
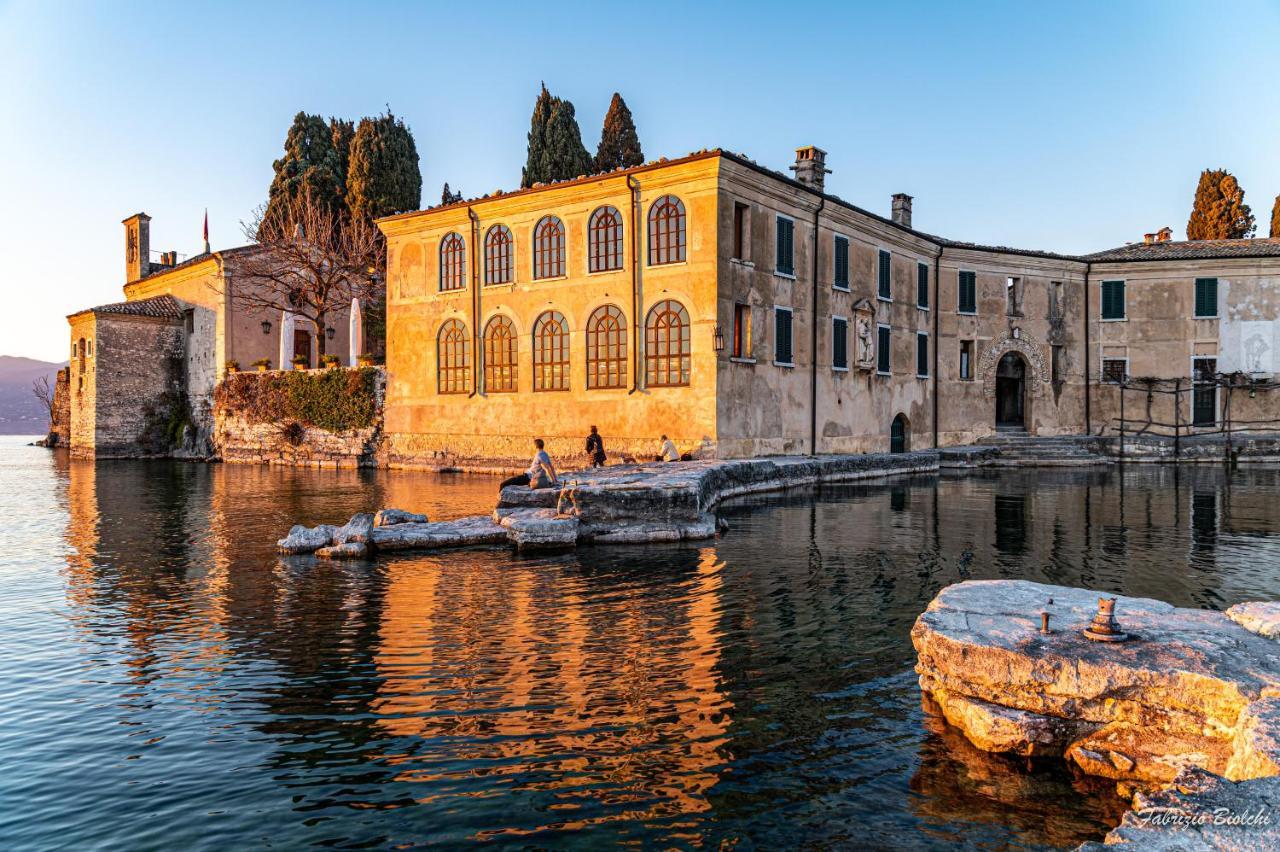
(1113, 300)
(782, 336)
(839, 342)
(884, 287)
(785, 247)
(842, 262)
(922, 285)
(968, 293)
(922, 354)
(882, 350)
(1206, 297)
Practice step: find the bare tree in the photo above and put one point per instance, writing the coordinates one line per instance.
(43, 392)
(315, 259)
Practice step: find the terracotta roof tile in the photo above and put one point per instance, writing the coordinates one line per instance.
(1189, 250)
(160, 307)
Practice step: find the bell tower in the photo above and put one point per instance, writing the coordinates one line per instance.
(137, 247)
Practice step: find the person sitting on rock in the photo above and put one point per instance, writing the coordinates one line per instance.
(668, 453)
(541, 473)
(595, 448)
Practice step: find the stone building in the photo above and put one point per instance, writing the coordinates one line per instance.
(746, 312)
(144, 368)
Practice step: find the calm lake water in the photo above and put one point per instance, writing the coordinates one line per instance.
(168, 682)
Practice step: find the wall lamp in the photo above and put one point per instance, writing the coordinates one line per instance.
(266, 326)
(719, 338)
(330, 332)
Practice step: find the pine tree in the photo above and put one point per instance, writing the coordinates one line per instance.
(619, 144)
(382, 175)
(449, 197)
(310, 166)
(1275, 220)
(556, 151)
(1219, 211)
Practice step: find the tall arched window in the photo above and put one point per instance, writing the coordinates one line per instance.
(499, 356)
(453, 262)
(666, 231)
(498, 248)
(604, 239)
(548, 248)
(551, 352)
(453, 358)
(666, 345)
(606, 348)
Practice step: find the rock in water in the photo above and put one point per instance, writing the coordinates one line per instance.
(355, 531)
(306, 539)
(460, 533)
(391, 517)
(541, 529)
(349, 550)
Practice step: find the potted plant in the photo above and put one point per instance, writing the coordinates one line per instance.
(332, 361)
(233, 366)
(263, 364)
(300, 362)
(366, 359)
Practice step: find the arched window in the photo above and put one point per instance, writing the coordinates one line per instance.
(551, 352)
(499, 356)
(666, 231)
(606, 348)
(666, 345)
(498, 248)
(453, 262)
(453, 358)
(548, 248)
(604, 239)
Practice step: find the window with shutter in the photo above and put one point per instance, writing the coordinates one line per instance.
(785, 250)
(922, 354)
(968, 293)
(782, 336)
(884, 282)
(1206, 297)
(882, 350)
(839, 343)
(922, 285)
(1112, 300)
(841, 279)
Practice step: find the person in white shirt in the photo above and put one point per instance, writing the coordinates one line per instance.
(669, 453)
(541, 473)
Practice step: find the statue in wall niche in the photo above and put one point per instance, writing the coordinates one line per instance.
(1254, 348)
(866, 343)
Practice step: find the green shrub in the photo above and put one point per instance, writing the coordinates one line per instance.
(333, 400)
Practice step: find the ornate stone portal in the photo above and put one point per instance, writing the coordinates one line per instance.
(1038, 374)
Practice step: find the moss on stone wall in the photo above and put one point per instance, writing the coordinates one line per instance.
(335, 400)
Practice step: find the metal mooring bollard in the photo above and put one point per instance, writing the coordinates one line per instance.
(1104, 628)
(1044, 622)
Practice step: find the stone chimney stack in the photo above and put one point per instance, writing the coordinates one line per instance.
(811, 167)
(137, 247)
(1164, 234)
(902, 209)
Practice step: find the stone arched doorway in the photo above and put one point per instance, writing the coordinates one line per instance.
(900, 434)
(1011, 392)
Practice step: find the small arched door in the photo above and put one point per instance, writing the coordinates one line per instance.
(1010, 390)
(898, 434)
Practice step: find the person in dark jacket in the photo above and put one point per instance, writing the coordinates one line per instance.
(595, 448)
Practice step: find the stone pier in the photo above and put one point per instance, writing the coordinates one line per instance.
(1188, 706)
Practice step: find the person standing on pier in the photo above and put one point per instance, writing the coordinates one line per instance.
(541, 473)
(595, 448)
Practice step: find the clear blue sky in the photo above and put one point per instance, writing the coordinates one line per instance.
(1072, 127)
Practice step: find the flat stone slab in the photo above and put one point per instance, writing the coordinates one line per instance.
(349, 550)
(1201, 811)
(1261, 617)
(391, 517)
(464, 532)
(541, 529)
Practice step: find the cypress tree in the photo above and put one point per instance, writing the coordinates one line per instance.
(1275, 220)
(556, 151)
(382, 174)
(341, 130)
(619, 144)
(449, 197)
(310, 165)
(1219, 211)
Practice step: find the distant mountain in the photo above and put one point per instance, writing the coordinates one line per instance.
(20, 411)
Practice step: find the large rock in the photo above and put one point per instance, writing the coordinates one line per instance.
(1261, 617)
(1003, 730)
(1201, 811)
(459, 533)
(541, 529)
(391, 517)
(355, 531)
(517, 498)
(306, 539)
(1255, 750)
(349, 550)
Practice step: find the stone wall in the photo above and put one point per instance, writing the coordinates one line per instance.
(239, 439)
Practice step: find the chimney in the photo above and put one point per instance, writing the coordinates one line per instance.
(1164, 234)
(1148, 239)
(902, 209)
(811, 167)
(137, 247)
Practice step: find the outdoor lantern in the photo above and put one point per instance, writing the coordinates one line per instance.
(719, 339)
(330, 332)
(266, 326)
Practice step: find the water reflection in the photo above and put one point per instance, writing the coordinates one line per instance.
(195, 689)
